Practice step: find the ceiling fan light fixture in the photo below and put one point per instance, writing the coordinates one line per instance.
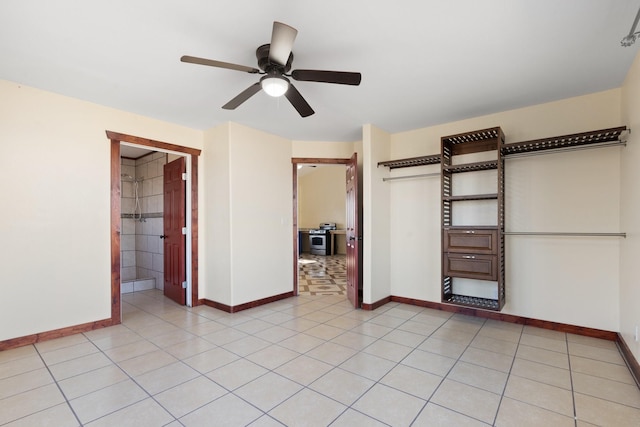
(275, 85)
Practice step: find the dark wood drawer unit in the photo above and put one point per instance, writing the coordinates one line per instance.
(481, 267)
(471, 240)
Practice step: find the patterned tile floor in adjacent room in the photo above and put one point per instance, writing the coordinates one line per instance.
(322, 275)
(314, 361)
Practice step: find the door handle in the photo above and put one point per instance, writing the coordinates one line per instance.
(163, 236)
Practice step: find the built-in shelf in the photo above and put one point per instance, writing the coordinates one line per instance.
(487, 139)
(471, 252)
(412, 161)
(565, 141)
(472, 167)
(475, 302)
(475, 141)
(493, 196)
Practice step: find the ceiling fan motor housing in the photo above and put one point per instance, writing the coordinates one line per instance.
(262, 54)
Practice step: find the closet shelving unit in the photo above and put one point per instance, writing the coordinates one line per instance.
(411, 161)
(478, 252)
(596, 138)
(472, 252)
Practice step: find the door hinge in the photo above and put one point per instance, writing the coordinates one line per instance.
(184, 176)
(184, 285)
(184, 231)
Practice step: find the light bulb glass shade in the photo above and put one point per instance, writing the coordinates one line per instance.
(274, 86)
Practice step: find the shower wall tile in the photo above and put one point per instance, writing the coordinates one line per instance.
(144, 260)
(143, 236)
(152, 169)
(147, 188)
(128, 226)
(158, 263)
(128, 167)
(159, 279)
(128, 259)
(127, 273)
(144, 227)
(144, 285)
(141, 243)
(126, 287)
(157, 185)
(154, 244)
(126, 205)
(156, 203)
(141, 169)
(157, 225)
(126, 189)
(128, 242)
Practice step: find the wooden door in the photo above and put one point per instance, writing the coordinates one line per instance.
(353, 234)
(174, 240)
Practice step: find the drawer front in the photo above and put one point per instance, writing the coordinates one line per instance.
(471, 241)
(471, 266)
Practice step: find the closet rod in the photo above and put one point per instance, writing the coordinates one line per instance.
(556, 150)
(539, 233)
(422, 175)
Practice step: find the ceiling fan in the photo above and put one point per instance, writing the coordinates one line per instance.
(274, 62)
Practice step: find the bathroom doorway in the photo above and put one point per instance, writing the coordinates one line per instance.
(162, 151)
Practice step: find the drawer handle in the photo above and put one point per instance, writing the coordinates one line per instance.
(468, 257)
(470, 231)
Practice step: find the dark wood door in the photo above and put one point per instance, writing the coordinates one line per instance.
(174, 221)
(353, 234)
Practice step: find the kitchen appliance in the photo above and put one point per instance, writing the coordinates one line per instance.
(320, 238)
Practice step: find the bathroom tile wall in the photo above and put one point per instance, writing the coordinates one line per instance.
(142, 223)
(127, 228)
(149, 245)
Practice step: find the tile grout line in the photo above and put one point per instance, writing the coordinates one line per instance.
(573, 392)
(513, 361)
(67, 401)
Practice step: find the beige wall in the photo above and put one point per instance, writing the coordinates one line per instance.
(216, 178)
(322, 196)
(249, 222)
(630, 212)
(376, 209)
(55, 221)
(322, 149)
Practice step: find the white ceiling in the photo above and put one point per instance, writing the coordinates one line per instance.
(423, 62)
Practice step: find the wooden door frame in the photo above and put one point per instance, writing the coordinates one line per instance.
(116, 138)
(295, 162)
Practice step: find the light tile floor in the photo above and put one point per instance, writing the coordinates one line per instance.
(314, 361)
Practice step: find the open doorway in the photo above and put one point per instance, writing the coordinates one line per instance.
(326, 255)
(190, 230)
(322, 229)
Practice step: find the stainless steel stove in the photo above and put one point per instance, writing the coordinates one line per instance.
(320, 238)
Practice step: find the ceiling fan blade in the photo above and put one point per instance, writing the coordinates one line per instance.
(298, 102)
(219, 64)
(339, 77)
(282, 38)
(243, 96)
